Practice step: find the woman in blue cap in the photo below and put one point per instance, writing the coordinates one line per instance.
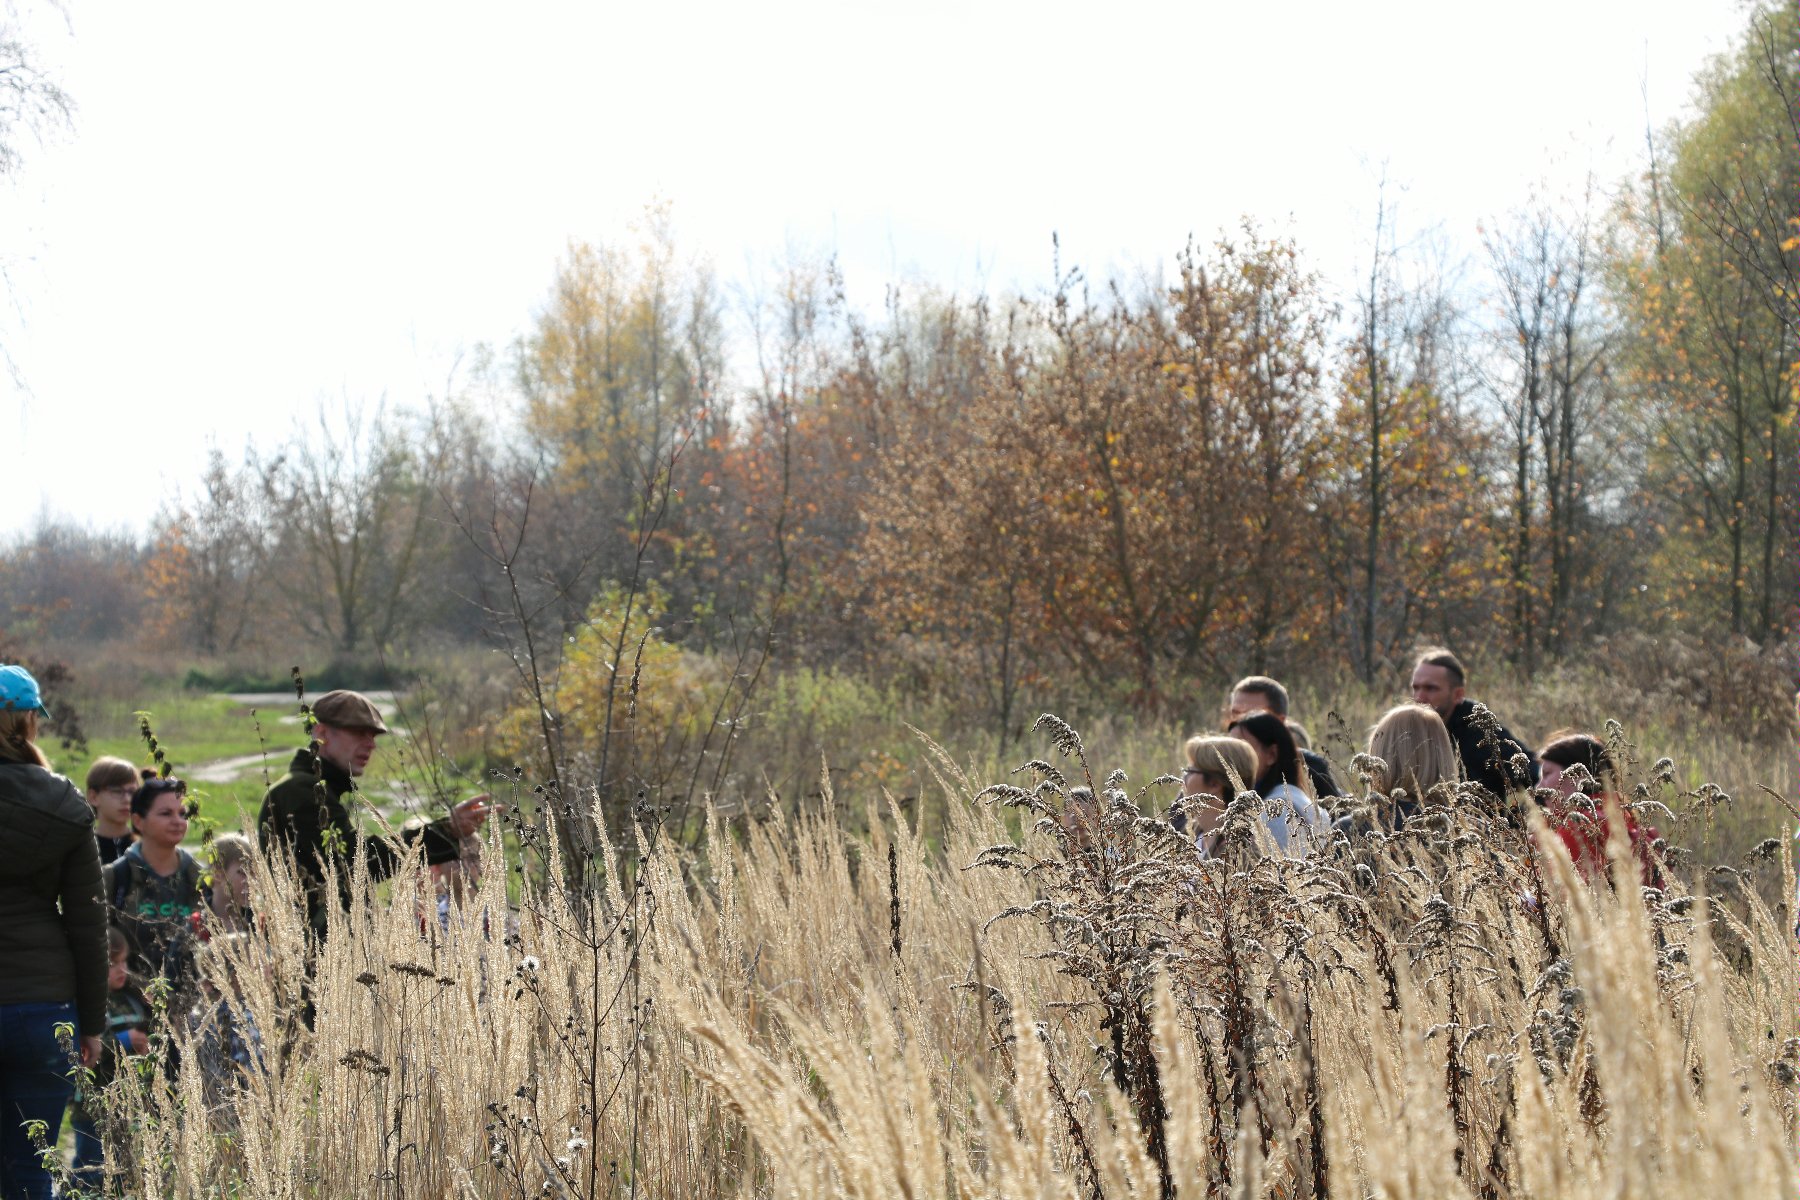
(52, 938)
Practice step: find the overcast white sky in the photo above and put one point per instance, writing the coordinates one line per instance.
(263, 207)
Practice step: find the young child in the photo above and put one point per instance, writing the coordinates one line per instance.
(110, 784)
(227, 891)
(227, 1042)
(127, 1035)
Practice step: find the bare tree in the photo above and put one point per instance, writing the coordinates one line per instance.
(358, 513)
(1546, 376)
(32, 104)
(210, 557)
(1406, 459)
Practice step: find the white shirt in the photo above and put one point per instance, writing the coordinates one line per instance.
(1296, 819)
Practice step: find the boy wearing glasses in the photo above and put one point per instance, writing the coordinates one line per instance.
(110, 783)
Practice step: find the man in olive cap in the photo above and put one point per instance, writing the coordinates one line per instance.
(305, 812)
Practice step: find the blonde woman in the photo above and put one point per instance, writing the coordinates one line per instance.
(1414, 745)
(52, 935)
(1216, 770)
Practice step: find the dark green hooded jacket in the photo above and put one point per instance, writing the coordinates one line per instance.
(305, 809)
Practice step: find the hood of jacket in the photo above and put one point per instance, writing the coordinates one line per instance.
(1459, 716)
(42, 815)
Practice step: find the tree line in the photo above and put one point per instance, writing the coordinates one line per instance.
(1145, 486)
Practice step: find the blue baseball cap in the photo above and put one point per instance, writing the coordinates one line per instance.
(19, 691)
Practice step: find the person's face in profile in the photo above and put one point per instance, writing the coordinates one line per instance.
(1207, 793)
(350, 749)
(1434, 687)
(1080, 816)
(1195, 782)
(1265, 753)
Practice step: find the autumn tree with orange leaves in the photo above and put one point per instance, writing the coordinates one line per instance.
(947, 553)
(208, 567)
(1129, 494)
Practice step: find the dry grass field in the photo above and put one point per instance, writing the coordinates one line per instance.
(801, 1010)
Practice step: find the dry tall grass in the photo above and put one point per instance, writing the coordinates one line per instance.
(794, 1011)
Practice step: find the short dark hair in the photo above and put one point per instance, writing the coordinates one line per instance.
(144, 799)
(1268, 689)
(1438, 656)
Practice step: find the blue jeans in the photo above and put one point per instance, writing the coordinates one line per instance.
(34, 1087)
(90, 1157)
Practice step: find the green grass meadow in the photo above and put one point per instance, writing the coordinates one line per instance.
(230, 750)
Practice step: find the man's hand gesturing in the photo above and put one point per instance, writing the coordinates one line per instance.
(468, 817)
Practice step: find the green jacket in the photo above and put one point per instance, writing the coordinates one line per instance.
(305, 809)
(52, 915)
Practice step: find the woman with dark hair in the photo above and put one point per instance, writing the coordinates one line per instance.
(1281, 778)
(1277, 757)
(1578, 810)
(52, 938)
(154, 887)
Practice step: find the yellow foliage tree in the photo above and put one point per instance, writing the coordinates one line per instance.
(630, 709)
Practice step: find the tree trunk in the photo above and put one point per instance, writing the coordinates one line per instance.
(1372, 548)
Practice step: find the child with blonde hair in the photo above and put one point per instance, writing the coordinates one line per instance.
(227, 892)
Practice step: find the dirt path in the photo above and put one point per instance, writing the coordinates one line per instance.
(229, 770)
(226, 770)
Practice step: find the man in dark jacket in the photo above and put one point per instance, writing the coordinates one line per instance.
(1260, 692)
(1487, 754)
(305, 813)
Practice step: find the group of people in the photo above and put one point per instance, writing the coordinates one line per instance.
(107, 920)
(1418, 754)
